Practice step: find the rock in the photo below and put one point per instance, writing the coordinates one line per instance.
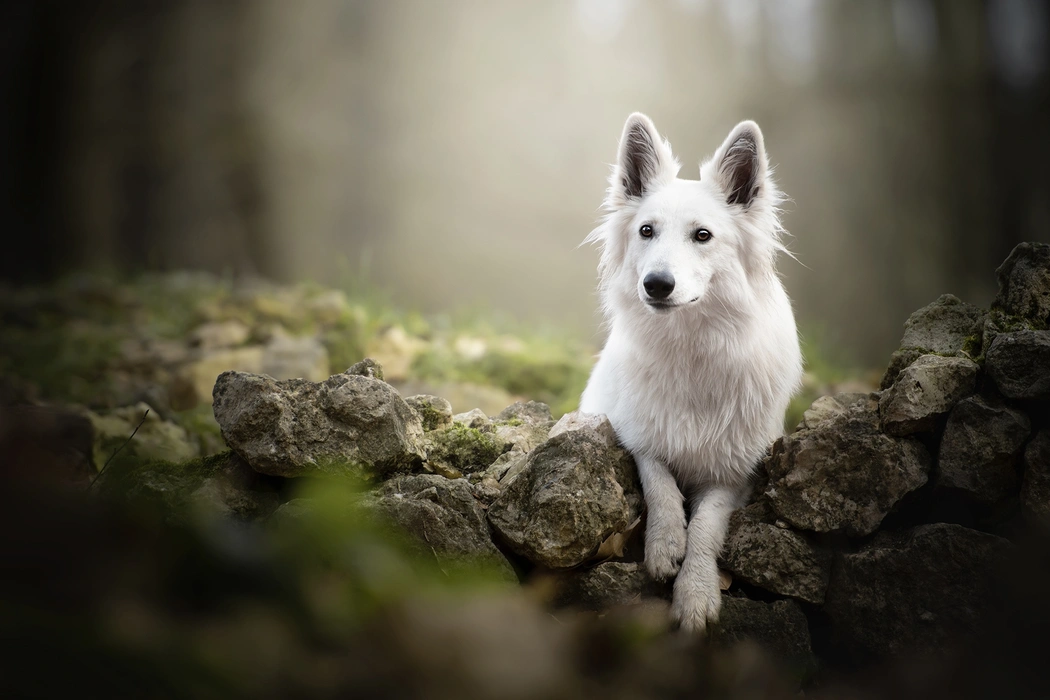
(1035, 489)
(829, 406)
(219, 485)
(1019, 362)
(443, 518)
(780, 628)
(435, 411)
(532, 412)
(523, 426)
(573, 492)
(289, 357)
(1024, 283)
(508, 466)
(844, 474)
(193, 382)
(487, 489)
(474, 418)
(219, 334)
(608, 585)
(577, 420)
(367, 368)
(948, 326)
(460, 449)
(155, 439)
(981, 448)
(924, 391)
(914, 592)
(773, 558)
(347, 424)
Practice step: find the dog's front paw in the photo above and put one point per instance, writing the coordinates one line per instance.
(664, 549)
(697, 601)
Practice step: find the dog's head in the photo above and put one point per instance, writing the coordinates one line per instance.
(670, 244)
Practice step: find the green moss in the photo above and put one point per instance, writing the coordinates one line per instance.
(464, 449)
(972, 347)
(158, 483)
(357, 473)
(432, 418)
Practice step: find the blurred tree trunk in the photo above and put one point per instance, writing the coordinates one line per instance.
(127, 139)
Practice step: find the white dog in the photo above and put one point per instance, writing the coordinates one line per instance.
(702, 355)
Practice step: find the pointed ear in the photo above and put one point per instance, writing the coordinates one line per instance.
(645, 161)
(741, 165)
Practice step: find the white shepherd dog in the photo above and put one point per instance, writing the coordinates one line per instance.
(702, 355)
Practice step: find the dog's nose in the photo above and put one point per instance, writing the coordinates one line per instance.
(658, 285)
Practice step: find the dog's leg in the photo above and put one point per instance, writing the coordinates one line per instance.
(697, 597)
(665, 535)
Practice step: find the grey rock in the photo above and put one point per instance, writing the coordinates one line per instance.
(367, 368)
(1019, 362)
(435, 411)
(1035, 489)
(573, 492)
(523, 426)
(924, 391)
(577, 420)
(443, 519)
(508, 466)
(474, 418)
(844, 474)
(829, 406)
(608, 585)
(780, 628)
(981, 448)
(532, 412)
(941, 328)
(347, 424)
(1024, 283)
(914, 592)
(774, 558)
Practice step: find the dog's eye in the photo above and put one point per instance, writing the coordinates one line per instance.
(646, 231)
(702, 235)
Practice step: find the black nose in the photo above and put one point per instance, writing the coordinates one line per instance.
(658, 285)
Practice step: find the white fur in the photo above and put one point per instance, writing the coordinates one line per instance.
(696, 392)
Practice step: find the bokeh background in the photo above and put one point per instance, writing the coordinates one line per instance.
(453, 154)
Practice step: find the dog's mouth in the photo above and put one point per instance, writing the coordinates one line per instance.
(666, 306)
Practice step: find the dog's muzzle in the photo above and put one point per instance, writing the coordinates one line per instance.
(658, 285)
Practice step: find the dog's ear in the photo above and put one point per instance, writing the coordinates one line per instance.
(645, 161)
(741, 165)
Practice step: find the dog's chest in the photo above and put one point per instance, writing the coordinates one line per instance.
(694, 413)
